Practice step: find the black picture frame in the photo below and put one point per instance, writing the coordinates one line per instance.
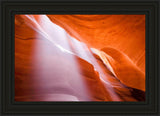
(148, 7)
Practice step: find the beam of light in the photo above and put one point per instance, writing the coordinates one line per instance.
(64, 82)
(71, 85)
(46, 33)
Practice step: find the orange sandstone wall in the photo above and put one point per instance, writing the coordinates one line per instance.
(122, 37)
(119, 40)
(125, 33)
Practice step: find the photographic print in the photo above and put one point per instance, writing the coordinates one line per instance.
(79, 58)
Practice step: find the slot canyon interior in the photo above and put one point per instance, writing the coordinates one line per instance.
(79, 58)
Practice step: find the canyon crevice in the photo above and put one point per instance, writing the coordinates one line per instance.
(79, 57)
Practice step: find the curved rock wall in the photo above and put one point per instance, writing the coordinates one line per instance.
(79, 58)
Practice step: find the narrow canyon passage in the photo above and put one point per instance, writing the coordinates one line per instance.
(79, 57)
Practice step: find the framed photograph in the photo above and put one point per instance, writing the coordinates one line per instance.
(80, 57)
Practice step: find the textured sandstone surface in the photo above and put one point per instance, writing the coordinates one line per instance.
(125, 33)
(46, 72)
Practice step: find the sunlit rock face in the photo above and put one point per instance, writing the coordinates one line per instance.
(79, 58)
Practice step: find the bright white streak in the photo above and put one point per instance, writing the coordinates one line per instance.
(58, 37)
(41, 31)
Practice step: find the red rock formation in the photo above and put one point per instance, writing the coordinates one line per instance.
(50, 67)
(125, 33)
